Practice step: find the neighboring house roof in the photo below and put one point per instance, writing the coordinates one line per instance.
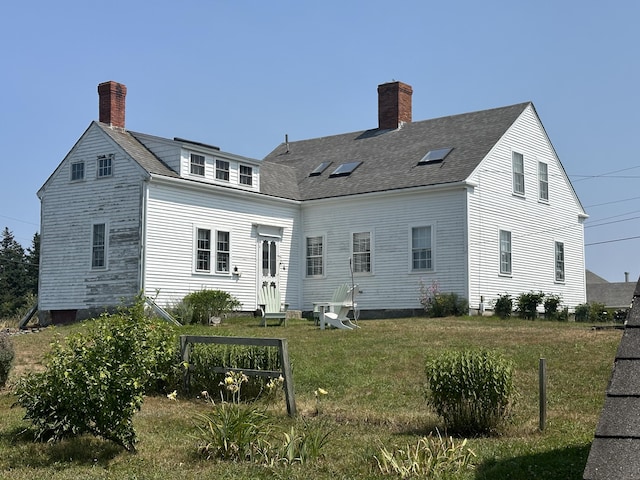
(612, 295)
(389, 157)
(615, 451)
(592, 278)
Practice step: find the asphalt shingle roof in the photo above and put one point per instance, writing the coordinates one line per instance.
(615, 451)
(389, 157)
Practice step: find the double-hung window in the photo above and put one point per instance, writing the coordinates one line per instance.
(197, 164)
(203, 250)
(505, 252)
(361, 247)
(222, 170)
(559, 256)
(105, 166)
(99, 246)
(315, 259)
(246, 175)
(517, 161)
(421, 250)
(222, 252)
(543, 182)
(77, 171)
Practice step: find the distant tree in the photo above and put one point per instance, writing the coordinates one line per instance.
(13, 274)
(32, 258)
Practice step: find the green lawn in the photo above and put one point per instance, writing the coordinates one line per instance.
(375, 382)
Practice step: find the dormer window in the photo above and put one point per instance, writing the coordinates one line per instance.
(435, 156)
(197, 164)
(222, 170)
(246, 175)
(345, 169)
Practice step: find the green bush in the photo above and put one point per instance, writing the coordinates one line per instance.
(503, 306)
(94, 380)
(591, 312)
(7, 355)
(471, 390)
(205, 304)
(527, 304)
(551, 304)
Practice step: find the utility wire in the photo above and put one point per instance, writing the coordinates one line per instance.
(612, 241)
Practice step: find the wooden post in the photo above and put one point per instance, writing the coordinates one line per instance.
(543, 393)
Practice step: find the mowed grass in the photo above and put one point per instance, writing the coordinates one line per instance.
(375, 382)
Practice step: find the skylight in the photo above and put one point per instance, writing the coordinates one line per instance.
(319, 169)
(434, 156)
(345, 169)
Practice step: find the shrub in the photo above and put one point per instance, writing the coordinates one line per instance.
(551, 304)
(431, 457)
(205, 304)
(527, 304)
(7, 355)
(591, 312)
(437, 304)
(503, 306)
(470, 390)
(95, 380)
(582, 312)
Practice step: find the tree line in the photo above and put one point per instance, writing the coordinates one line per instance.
(18, 274)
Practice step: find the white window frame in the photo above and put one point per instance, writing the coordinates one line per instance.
(104, 166)
(543, 182)
(222, 253)
(559, 262)
(72, 171)
(100, 247)
(245, 178)
(195, 165)
(311, 259)
(503, 252)
(431, 265)
(222, 173)
(197, 248)
(517, 167)
(365, 254)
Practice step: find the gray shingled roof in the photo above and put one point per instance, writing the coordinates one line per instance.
(137, 151)
(612, 295)
(615, 451)
(389, 157)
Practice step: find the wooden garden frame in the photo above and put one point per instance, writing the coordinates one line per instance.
(283, 353)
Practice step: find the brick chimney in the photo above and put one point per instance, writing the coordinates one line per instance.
(394, 105)
(112, 103)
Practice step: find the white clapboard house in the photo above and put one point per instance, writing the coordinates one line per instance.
(478, 202)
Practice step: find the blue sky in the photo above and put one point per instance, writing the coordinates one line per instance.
(242, 74)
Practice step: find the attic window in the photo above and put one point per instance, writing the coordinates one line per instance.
(345, 169)
(319, 169)
(434, 156)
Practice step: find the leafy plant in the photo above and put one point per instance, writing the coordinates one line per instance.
(471, 390)
(527, 304)
(551, 304)
(503, 306)
(431, 457)
(94, 381)
(591, 312)
(437, 304)
(205, 304)
(7, 354)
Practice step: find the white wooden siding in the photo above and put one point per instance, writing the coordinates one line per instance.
(68, 211)
(175, 209)
(165, 149)
(387, 217)
(534, 225)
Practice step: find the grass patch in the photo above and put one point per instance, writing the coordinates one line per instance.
(375, 382)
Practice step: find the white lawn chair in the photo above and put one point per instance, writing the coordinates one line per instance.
(271, 307)
(334, 312)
